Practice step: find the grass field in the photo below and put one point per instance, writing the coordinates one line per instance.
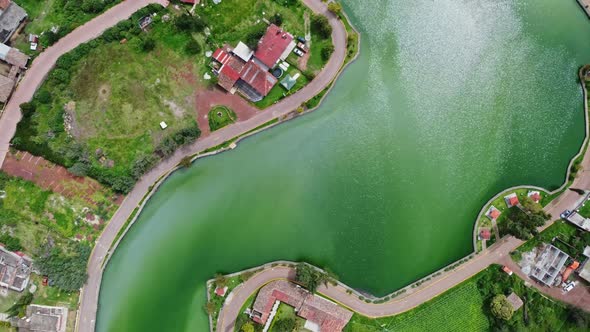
(103, 106)
(460, 309)
(66, 15)
(232, 21)
(34, 215)
(221, 116)
(466, 307)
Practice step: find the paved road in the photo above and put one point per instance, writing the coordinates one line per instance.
(499, 253)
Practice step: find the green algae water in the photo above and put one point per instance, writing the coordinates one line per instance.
(450, 102)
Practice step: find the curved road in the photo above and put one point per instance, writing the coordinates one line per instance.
(45, 62)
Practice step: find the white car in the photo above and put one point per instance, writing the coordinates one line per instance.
(569, 286)
(298, 52)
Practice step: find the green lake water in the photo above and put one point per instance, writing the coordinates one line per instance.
(450, 102)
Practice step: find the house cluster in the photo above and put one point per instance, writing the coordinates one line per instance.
(15, 270)
(248, 72)
(42, 318)
(11, 18)
(13, 63)
(511, 200)
(321, 315)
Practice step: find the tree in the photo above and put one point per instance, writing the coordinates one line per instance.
(321, 26)
(192, 47)
(189, 23)
(65, 271)
(253, 37)
(148, 44)
(79, 169)
(276, 19)
(335, 7)
(20, 306)
(210, 308)
(11, 243)
(186, 162)
(327, 52)
(27, 109)
(309, 277)
(52, 37)
(284, 325)
(501, 308)
(220, 280)
(248, 327)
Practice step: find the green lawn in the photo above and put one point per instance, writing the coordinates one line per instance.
(466, 308)
(584, 211)
(32, 214)
(221, 116)
(63, 14)
(116, 95)
(231, 21)
(279, 92)
(53, 296)
(285, 311)
(460, 309)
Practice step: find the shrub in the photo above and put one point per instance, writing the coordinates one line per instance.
(321, 26)
(11, 243)
(27, 109)
(276, 19)
(501, 308)
(192, 47)
(335, 7)
(79, 169)
(148, 44)
(65, 271)
(327, 52)
(189, 23)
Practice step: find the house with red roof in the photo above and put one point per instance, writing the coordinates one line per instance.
(221, 291)
(535, 196)
(493, 213)
(275, 45)
(485, 234)
(247, 72)
(511, 200)
(320, 314)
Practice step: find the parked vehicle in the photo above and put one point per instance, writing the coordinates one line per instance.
(569, 286)
(298, 52)
(565, 214)
(302, 47)
(301, 39)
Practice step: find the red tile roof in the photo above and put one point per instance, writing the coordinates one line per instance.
(328, 315)
(192, 2)
(513, 200)
(535, 197)
(494, 213)
(220, 291)
(258, 78)
(221, 56)
(270, 47)
(485, 234)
